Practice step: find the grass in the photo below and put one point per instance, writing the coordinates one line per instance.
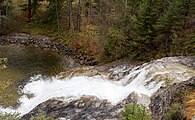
(190, 103)
(16, 116)
(38, 30)
(8, 93)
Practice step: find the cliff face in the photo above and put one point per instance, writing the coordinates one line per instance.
(165, 98)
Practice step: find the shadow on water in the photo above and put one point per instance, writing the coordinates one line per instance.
(24, 62)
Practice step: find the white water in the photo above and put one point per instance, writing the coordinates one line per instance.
(113, 91)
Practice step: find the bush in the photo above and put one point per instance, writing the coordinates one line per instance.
(135, 112)
(15, 116)
(9, 116)
(175, 112)
(115, 45)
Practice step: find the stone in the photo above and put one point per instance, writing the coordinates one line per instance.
(164, 98)
(85, 108)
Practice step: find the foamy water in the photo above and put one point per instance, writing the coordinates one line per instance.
(113, 91)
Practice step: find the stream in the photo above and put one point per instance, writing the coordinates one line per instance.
(42, 73)
(25, 62)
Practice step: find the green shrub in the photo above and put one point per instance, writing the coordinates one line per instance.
(15, 116)
(9, 116)
(115, 45)
(41, 116)
(175, 112)
(135, 112)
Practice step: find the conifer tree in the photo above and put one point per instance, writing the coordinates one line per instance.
(170, 22)
(144, 31)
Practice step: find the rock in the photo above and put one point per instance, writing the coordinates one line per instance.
(164, 98)
(141, 99)
(85, 108)
(149, 75)
(84, 71)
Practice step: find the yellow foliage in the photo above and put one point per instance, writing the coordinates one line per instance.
(4, 85)
(87, 40)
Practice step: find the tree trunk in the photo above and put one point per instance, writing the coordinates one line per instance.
(70, 13)
(87, 6)
(29, 9)
(71, 25)
(35, 5)
(7, 8)
(125, 11)
(79, 16)
(0, 21)
(57, 15)
(101, 7)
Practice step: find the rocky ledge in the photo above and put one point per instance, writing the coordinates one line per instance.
(92, 108)
(86, 108)
(163, 100)
(46, 43)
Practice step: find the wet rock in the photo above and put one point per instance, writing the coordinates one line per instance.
(85, 108)
(164, 98)
(140, 99)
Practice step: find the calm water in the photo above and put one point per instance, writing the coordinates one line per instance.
(24, 62)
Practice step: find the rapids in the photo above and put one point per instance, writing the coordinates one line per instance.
(114, 86)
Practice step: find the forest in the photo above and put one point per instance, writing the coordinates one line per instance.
(108, 30)
(97, 59)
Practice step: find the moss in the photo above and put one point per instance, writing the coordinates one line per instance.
(175, 112)
(135, 112)
(7, 116)
(16, 116)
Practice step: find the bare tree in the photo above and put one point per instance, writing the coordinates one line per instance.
(29, 9)
(126, 2)
(70, 13)
(7, 7)
(57, 15)
(79, 15)
(70, 20)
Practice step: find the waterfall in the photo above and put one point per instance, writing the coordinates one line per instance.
(143, 80)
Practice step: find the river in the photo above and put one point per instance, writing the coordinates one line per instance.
(38, 71)
(25, 62)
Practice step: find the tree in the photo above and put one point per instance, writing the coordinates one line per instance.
(57, 15)
(170, 22)
(79, 15)
(29, 9)
(70, 14)
(144, 31)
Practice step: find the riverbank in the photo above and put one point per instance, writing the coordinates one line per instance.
(46, 43)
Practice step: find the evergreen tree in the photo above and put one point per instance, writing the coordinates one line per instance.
(144, 31)
(170, 22)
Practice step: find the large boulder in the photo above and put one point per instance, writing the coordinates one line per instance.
(164, 99)
(85, 108)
